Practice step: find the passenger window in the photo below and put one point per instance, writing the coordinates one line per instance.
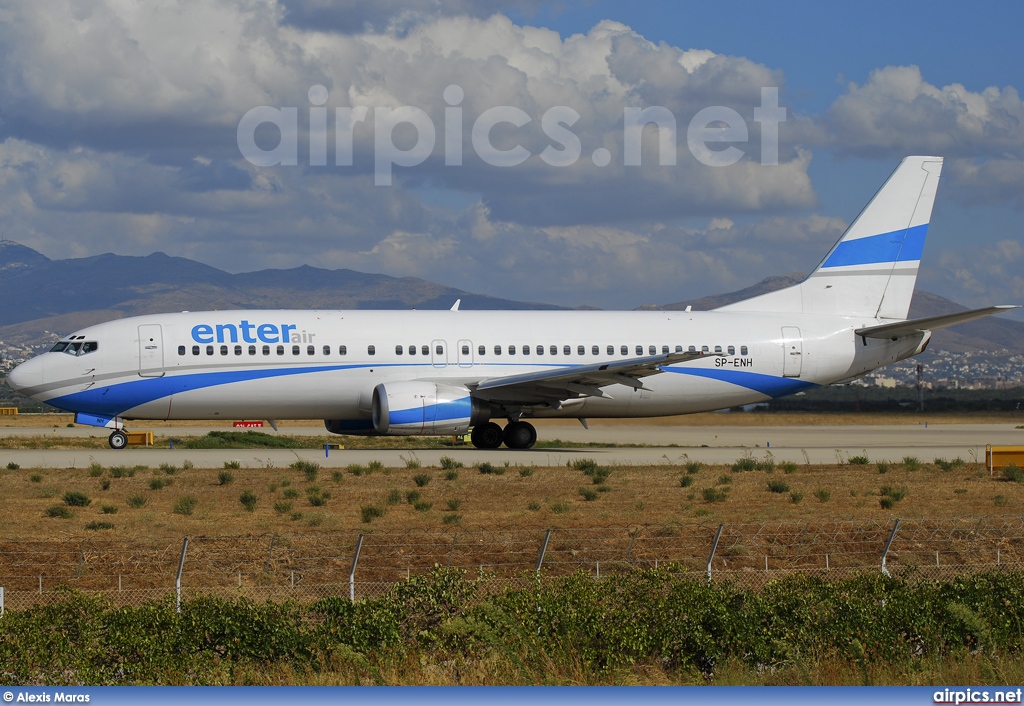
(743, 350)
(553, 350)
(412, 350)
(327, 350)
(732, 350)
(481, 350)
(704, 349)
(639, 350)
(398, 350)
(624, 350)
(581, 350)
(280, 350)
(238, 350)
(252, 350)
(595, 350)
(310, 350)
(652, 350)
(195, 350)
(566, 350)
(465, 349)
(664, 349)
(342, 350)
(223, 350)
(692, 349)
(610, 350)
(209, 350)
(540, 350)
(181, 350)
(526, 350)
(679, 349)
(425, 350)
(295, 350)
(266, 350)
(718, 350)
(497, 350)
(438, 349)
(371, 350)
(511, 350)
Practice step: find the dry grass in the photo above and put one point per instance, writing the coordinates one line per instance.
(547, 497)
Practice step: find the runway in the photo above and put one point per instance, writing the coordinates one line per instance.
(657, 444)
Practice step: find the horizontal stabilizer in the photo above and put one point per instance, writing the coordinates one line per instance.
(900, 329)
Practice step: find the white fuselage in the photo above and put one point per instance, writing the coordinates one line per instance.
(281, 364)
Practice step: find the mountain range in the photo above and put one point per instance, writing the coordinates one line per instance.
(40, 297)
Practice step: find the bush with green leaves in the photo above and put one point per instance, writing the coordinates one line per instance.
(394, 497)
(76, 498)
(448, 463)
(291, 493)
(168, 469)
(317, 497)
(422, 505)
(451, 475)
(895, 492)
(99, 525)
(1013, 473)
(12, 466)
(95, 470)
(185, 505)
(788, 467)
(490, 469)
(451, 519)
(911, 463)
(248, 500)
(744, 464)
(858, 460)
(453, 504)
(777, 486)
(309, 469)
(715, 495)
(233, 465)
(158, 483)
(136, 501)
(369, 513)
(421, 479)
(526, 472)
(109, 509)
(823, 495)
(59, 511)
(685, 481)
(589, 494)
(282, 507)
(225, 478)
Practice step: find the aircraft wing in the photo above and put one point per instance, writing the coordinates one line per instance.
(569, 382)
(915, 326)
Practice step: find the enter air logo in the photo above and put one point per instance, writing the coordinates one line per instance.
(245, 332)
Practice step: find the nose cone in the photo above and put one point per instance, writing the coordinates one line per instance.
(27, 375)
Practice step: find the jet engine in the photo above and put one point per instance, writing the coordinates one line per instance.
(419, 407)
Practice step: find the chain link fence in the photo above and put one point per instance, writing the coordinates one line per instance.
(307, 567)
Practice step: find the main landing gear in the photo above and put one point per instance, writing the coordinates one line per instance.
(516, 435)
(118, 439)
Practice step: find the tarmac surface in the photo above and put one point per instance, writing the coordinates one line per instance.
(658, 444)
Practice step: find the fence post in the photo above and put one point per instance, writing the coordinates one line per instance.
(270, 553)
(711, 556)
(632, 543)
(885, 552)
(452, 550)
(81, 558)
(352, 573)
(40, 584)
(543, 550)
(177, 579)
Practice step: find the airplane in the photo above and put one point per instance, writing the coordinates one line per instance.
(449, 372)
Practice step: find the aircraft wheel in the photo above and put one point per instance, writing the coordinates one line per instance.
(486, 436)
(520, 435)
(118, 439)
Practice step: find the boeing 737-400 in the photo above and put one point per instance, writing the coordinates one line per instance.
(449, 372)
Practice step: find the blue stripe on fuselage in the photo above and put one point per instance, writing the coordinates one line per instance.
(897, 246)
(457, 409)
(768, 385)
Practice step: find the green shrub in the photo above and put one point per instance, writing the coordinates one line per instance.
(36, 478)
(910, 463)
(95, 470)
(767, 465)
(585, 465)
(788, 467)
(883, 467)
(225, 478)
(693, 467)
(186, 465)
(337, 476)
(724, 479)
(488, 469)
(413, 463)
(291, 493)
(75, 498)
(394, 497)
(744, 464)
(98, 525)
(136, 501)
(685, 481)
(422, 505)
(451, 475)
(412, 496)
(317, 497)
(895, 492)
(715, 495)
(309, 469)
(168, 469)
(525, 472)
(886, 503)
(374, 466)
(233, 465)
(943, 464)
(369, 513)
(589, 494)
(248, 500)
(184, 505)
(822, 495)
(560, 508)
(282, 507)
(777, 486)
(451, 519)
(858, 460)
(12, 466)
(533, 506)
(453, 504)
(796, 496)
(1013, 474)
(421, 480)
(59, 511)
(109, 509)
(121, 472)
(156, 483)
(1000, 500)
(448, 463)
(357, 470)
(105, 484)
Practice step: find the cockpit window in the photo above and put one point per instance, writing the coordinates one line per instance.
(75, 347)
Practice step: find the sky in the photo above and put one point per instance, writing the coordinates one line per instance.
(494, 145)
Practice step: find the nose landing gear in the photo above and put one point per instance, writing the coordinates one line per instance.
(118, 439)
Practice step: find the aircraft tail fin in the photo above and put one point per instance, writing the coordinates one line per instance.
(873, 268)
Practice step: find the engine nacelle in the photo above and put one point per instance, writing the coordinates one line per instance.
(418, 407)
